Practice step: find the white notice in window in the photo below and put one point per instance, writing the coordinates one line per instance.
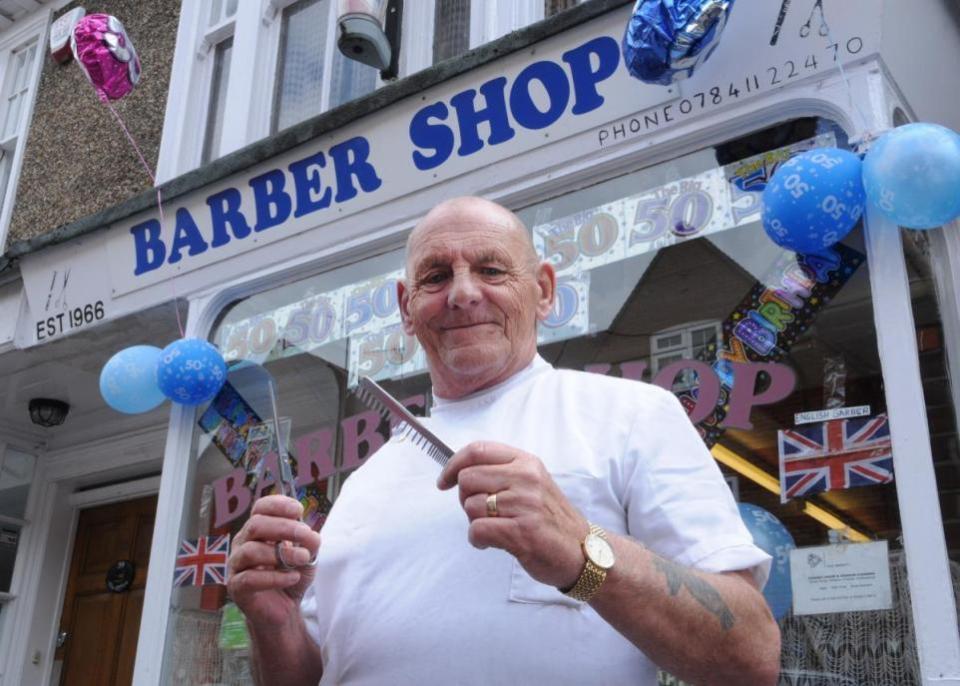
(840, 578)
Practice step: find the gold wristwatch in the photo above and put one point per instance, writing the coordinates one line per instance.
(600, 559)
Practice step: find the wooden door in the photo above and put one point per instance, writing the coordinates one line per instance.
(101, 624)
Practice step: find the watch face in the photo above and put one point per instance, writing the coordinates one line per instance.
(599, 551)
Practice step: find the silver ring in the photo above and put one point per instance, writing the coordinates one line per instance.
(286, 566)
(281, 562)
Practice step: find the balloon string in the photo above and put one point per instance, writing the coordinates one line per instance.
(846, 82)
(153, 180)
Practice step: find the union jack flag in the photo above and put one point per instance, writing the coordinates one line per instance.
(202, 562)
(836, 454)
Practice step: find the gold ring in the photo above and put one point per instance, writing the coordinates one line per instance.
(492, 505)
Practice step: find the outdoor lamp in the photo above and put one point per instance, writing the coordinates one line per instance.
(48, 412)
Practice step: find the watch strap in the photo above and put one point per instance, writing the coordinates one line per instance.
(591, 577)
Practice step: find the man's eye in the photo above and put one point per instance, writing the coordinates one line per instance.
(491, 271)
(434, 278)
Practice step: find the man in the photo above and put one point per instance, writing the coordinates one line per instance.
(580, 534)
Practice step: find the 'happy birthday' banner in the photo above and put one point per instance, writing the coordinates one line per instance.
(770, 318)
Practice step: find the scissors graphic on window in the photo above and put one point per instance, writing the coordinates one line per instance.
(824, 29)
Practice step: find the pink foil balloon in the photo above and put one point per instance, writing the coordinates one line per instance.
(104, 50)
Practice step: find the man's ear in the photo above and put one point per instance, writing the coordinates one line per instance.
(403, 298)
(547, 284)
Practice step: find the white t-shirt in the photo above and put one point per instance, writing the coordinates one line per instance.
(400, 595)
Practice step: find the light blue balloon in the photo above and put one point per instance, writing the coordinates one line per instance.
(772, 537)
(190, 371)
(128, 381)
(912, 175)
(814, 200)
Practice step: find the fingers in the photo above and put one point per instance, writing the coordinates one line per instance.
(475, 454)
(476, 505)
(484, 481)
(269, 528)
(256, 580)
(278, 506)
(257, 555)
(494, 532)
(273, 518)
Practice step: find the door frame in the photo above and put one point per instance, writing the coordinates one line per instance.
(114, 469)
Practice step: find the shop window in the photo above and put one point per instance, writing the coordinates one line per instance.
(641, 299)
(633, 296)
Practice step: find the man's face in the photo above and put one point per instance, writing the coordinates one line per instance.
(473, 295)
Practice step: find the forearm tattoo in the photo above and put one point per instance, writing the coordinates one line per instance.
(705, 594)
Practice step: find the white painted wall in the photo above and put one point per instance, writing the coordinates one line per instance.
(920, 47)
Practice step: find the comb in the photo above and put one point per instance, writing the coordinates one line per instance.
(389, 408)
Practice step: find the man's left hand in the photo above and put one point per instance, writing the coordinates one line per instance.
(534, 521)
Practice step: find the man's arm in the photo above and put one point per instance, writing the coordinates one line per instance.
(284, 655)
(269, 596)
(704, 628)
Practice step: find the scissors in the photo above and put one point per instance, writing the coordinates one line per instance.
(784, 7)
(824, 29)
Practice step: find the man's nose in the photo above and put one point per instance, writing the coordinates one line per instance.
(464, 290)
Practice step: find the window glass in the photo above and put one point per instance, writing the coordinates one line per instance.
(312, 74)
(16, 473)
(221, 11)
(21, 62)
(451, 28)
(218, 97)
(351, 79)
(13, 107)
(300, 67)
(665, 275)
(15, 476)
(552, 7)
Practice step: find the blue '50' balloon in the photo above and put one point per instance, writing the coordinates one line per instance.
(912, 175)
(772, 536)
(128, 381)
(814, 200)
(190, 371)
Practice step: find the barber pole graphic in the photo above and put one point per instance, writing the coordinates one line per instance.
(833, 455)
(202, 562)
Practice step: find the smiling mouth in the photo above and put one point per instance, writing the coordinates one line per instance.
(466, 326)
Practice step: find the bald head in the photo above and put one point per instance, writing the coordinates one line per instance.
(473, 295)
(470, 212)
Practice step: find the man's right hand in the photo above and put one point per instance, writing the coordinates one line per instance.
(267, 594)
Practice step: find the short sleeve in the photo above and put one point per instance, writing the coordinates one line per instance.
(677, 501)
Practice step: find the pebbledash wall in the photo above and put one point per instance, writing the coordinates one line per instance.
(284, 247)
